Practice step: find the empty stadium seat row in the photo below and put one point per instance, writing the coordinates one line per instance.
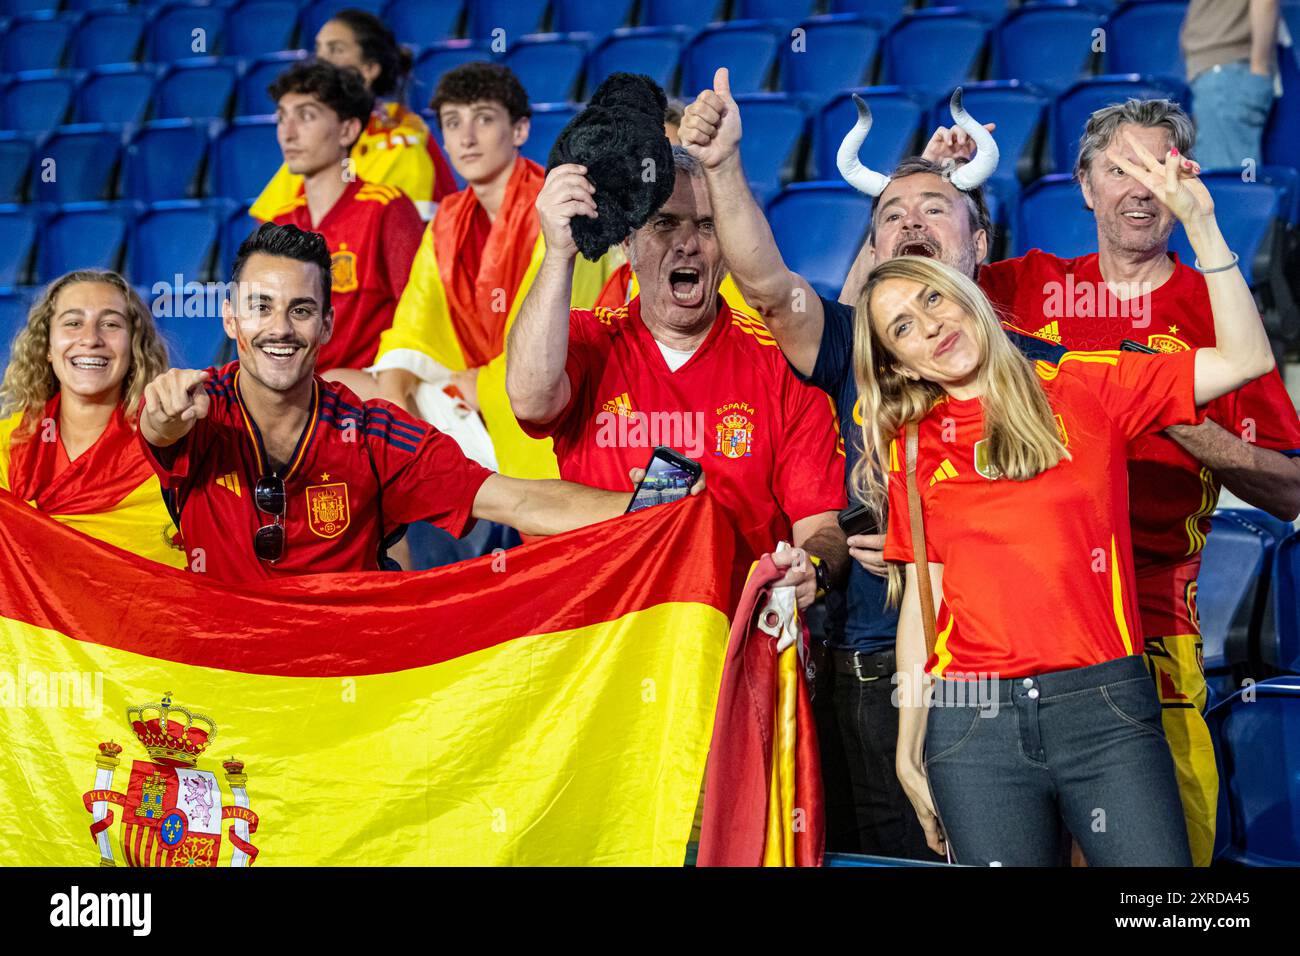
(162, 159)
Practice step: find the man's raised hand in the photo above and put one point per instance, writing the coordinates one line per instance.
(710, 128)
(173, 402)
(566, 193)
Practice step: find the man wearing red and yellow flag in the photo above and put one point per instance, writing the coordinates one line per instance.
(372, 230)
(474, 265)
(273, 471)
(71, 392)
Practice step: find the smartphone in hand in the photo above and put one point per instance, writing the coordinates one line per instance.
(668, 477)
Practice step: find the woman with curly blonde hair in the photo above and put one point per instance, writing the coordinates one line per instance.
(71, 398)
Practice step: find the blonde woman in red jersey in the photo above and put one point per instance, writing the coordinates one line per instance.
(1035, 709)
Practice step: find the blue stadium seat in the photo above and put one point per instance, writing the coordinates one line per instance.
(85, 163)
(819, 227)
(36, 100)
(118, 93)
(255, 27)
(933, 50)
(1249, 230)
(549, 65)
(163, 159)
(176, 237)
(233, 232)
(1051, 216)
(173, 32)
(1282, 133)
(423, 21)
(655, 51)
(16, 150)
(1258, 731)
(583, 16)
(251, 98)
(788, 12)
(896, 121)
(748, 48)
(1047, 43)
(243, 158)
(83, 236)
(1142, 37)
(838, 53)
(437, 59)
(991, 10)
(1285, 654)
(1287, 179)
(548, 120)
(19, 225)
(888, 12)
(774, 129)
(36, 41)
(196, 89)
(14, 305)
(1019, 111)
(1230, 588)
(516, 17)
(316, 15)
(108, 36)
(1069, 114)
(680, 13)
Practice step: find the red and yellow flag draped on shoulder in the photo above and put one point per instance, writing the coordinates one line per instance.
(548, 705)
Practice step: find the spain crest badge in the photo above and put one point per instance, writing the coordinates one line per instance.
(172, 810)
(343, 270)
(328, 514)
(735, 436)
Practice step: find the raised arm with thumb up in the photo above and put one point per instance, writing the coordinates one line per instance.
(710, 128)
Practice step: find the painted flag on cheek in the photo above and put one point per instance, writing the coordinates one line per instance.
(549, 705)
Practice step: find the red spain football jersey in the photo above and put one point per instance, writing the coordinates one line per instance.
(768, 442)
(1172, 494)
(373, 232)
(1038, 575)
(332, 508)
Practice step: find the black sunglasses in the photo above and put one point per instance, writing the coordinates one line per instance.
(268, 495)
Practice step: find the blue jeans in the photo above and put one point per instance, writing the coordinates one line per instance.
(1081, 750)
(1230, 105)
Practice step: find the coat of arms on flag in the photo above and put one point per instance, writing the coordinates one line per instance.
(172, 811)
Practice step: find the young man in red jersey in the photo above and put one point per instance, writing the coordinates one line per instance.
(677, 354)
(372, 230)
(271, 470)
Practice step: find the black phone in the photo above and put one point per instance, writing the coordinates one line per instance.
(857, 519)
(1128, 345)
(668, 477)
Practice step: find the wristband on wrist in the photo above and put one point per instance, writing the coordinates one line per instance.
(822, 574)
(1196, 264)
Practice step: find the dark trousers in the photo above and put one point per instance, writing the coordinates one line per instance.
(1015, 764)
(857, 726)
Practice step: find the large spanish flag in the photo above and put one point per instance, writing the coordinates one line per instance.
(552, 704)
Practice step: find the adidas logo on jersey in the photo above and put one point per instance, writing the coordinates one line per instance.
(1050, 331)
(943, 472)
(619, 405)
(230, 481)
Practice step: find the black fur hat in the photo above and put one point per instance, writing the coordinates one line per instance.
(621, 128)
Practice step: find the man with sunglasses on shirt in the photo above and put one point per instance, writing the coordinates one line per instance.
(270, 470)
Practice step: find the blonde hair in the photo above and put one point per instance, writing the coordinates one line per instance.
(29, 381)
(1019, 425)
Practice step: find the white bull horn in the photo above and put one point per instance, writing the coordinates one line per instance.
(974, 173)
(855, 174)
